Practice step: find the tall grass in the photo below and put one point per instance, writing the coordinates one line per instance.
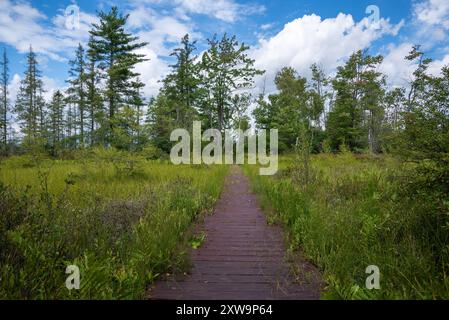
(119, 218)
(354, 213)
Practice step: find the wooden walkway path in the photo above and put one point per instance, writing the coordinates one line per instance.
(242, 257)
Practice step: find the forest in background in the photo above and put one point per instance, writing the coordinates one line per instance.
(103, 103)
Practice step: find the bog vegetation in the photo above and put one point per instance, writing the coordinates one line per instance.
(85, 180)
(121, 219)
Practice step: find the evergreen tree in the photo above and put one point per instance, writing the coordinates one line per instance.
(179, 98)
(137, 102)
(287, 110)
(354, 119)
(182, 85)
(227, 70)
(94, 102)
(77, 92)
(114, 49)
(30, 103)
(56, 121)
(317, 94)
(4, 104)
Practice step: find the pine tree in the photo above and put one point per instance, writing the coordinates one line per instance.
(114, 52)
(137, 102)
(182, 85)
(94, 102)
(179, 98)
(287, 110)
(56, 121)
(4, 104)
(318, 94)
(77, 92)
(227, 70)
(357, 111)
(30, 103)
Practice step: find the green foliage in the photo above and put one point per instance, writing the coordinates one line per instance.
(30, 105)
(4, 102)
(197, 241)
(294, 108)
(114, 52)
(357, 113)
(119, 218)
(358, 212)
(227, 70)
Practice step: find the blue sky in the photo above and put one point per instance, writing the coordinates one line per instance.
(281, 33)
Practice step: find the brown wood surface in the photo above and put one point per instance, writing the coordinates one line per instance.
(242, 257)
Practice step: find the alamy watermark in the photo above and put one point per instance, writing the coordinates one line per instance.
(73, 280)
(72, 17)
(374, 16)
(189, 150)
(373, 280)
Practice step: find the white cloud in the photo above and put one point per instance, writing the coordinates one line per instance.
(396, 67)
(436, 65)
(50, 86)
(151, 71)
(431, 21)
(399, 71)
(267, 26)
(433, 12)
(22, 25)
(13, 87)
(310, 39)
(158, 30)
(225, 10)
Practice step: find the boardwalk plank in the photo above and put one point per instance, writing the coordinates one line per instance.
(242, 257)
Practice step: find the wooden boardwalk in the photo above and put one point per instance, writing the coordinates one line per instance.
(242, 257)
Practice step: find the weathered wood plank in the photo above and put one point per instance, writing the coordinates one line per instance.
(242, 258)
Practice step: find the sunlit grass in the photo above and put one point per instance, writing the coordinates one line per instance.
(120, 218)
(353, 214)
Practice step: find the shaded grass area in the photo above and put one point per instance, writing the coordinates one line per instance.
(356, 212)
(119, 218)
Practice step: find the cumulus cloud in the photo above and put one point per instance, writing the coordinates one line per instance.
(151, 71)
(433, 12)
(160, 31)
(22, 25)
(431, 21)
(396, 67)
(399, 71)
(310, 39)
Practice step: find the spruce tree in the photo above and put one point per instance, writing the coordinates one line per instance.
(179, 98)
(228, 70)
(114, 50)
(56, 121)
(357, 111)
(77, 91)
(94, 102)
(4, 104)
(182, 85)
(30, 103)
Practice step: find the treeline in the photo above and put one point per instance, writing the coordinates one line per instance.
(356, 110)
(104, 106)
